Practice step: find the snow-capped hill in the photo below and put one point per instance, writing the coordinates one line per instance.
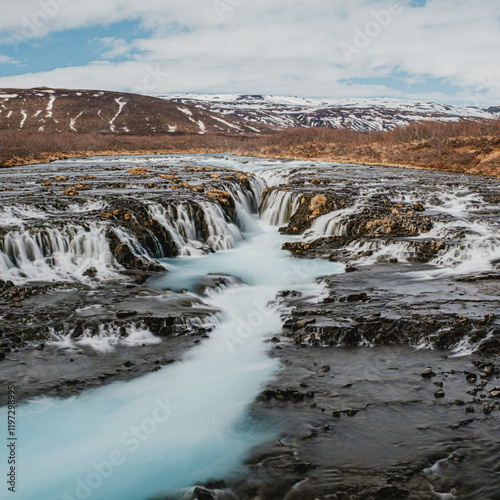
(358, 114)
(62, 110)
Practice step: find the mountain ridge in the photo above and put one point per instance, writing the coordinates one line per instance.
(85, 111)
(61, 110)
(360, 114)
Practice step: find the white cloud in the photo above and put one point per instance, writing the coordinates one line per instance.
(278, 46)
(115, 47)
(7, 60)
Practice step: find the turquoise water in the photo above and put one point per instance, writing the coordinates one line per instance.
(188, 422)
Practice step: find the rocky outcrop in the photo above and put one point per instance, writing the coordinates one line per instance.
(78, 250)
(225, 200)
(311, 206)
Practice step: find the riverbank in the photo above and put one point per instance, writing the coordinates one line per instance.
(465, 147)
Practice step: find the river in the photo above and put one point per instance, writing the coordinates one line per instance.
(188, 422)
(147, 303)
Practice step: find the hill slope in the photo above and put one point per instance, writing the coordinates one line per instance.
(363, 115)
(84, 111)
(59, 110)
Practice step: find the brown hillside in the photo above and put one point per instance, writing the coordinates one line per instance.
(86, 111)
(472, 147)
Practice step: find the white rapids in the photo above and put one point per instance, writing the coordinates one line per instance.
(190, 421)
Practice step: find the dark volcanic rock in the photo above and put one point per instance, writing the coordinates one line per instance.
(428, 373)
(214, 281)
(118, 219)
(443, 316)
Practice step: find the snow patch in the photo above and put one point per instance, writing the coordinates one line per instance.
(185, 111)
(73, 121)
(50, 106)
(189, 114)
(121, 105)
(226, 123)
(25, 115)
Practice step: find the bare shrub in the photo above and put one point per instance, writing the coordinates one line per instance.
(466, 146)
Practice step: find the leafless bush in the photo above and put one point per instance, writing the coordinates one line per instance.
(459, 146)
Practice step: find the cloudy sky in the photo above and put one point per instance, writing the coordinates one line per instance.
(441, 50)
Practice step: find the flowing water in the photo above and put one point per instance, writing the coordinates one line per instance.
(192, 421)
(188, 422)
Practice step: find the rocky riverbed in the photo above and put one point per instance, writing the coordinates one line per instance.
(389, 384)
(403, 347)
(78, 241)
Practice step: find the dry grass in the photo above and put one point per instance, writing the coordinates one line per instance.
(467, 146)
(472, 147)
(25, 147)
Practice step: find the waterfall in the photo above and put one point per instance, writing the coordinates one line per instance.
(213, 233)
(107, 337)
(64, 252)
(279, 206)
(55, 254)
(222, 235)
(332, 224)
(208, 430)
